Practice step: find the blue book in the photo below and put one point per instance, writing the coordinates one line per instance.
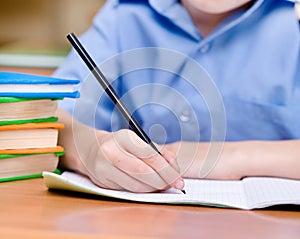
(22, 85)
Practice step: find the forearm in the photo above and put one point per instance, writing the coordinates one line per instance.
(271, 158)
(75, 142)
(240, 159)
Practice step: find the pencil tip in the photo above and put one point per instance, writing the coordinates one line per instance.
(183, 191)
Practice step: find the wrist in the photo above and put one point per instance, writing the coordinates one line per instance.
(190, 157)
(244, 159)
(230, 160)
(77, 140)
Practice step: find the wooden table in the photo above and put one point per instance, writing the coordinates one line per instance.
(29, 210)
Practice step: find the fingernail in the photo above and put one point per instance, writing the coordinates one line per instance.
(179, 184)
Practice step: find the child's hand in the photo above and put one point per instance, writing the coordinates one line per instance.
(123, 161)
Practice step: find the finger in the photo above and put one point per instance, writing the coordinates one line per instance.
(136, 146)
(171, 158)
(96, 174)
(166, 171)
(104, 183)
(114, 178)
(139, 170)
(133, 184)
(129, 142)
(128, 163)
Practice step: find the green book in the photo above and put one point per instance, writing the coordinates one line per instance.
(20, 166)
(38, 175)
(27, 110)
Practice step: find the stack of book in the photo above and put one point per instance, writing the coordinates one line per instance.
(28, 125)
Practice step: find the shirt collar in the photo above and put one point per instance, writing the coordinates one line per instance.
(162, 6)
(173, 10)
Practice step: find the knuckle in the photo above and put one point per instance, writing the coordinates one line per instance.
(169, 154)
(123, 134)
(139, 169)
(151, 160)
(106, 149)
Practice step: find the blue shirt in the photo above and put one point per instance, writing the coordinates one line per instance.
(241, 82)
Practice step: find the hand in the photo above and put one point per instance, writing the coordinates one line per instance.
(123, 161)
(119, 160)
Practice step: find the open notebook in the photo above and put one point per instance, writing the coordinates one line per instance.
(249, 193)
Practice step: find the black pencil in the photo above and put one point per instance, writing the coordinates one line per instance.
(110, 91)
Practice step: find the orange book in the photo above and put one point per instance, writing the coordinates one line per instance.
(31, 135)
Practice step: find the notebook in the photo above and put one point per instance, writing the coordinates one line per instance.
(249, 193)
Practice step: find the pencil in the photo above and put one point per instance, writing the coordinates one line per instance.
(110, 91)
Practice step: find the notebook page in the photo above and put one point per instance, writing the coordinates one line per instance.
(263, 191)
(202, 192)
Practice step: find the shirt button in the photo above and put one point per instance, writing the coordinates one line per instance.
(185, 116)
(204, 48)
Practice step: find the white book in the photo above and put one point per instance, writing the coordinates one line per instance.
(40, 88)
(249, 193)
